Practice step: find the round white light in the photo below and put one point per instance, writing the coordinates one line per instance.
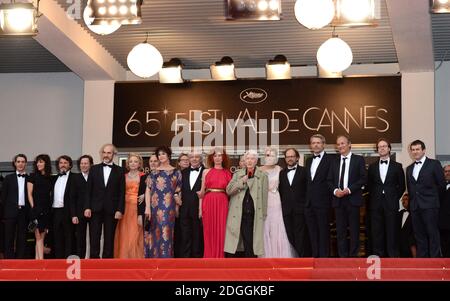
(18, 19)
(102, 10)
(263, 5)
(144, 60)
(314, 14)
(123, 10)
(133, 10)
(273, 4)
(334, 55)
(101, 29)
(112, 10)
(356, 10)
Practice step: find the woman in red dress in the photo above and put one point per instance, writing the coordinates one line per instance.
(213, 205)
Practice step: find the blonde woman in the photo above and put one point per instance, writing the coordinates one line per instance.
(129, 239)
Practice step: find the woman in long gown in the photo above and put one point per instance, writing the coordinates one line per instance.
(39, 196)
(213, 205)
(128, 241)
(276, 242)
(162, 197)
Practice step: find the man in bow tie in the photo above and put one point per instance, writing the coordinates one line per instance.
(318, 197)
(426, 185)
(292, 190)
(386, 185)
(105, 201)
(63, 230)
(346, 179)
(444, 216)
(15, 205)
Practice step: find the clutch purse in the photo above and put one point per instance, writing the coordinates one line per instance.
(32, 225)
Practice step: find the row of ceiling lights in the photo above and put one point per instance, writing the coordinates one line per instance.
(106, 16)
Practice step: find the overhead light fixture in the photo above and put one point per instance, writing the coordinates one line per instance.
(322, 73)
(104, 28)
(122, 11)
(144, 60)
(223, 70)
(314, 14)
(171, 72)
(440, 6)
(278, 68)
(253, 9)
(334, 55)
(356, 13)
(18, 19)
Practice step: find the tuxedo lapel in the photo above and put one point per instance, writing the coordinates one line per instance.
(378, 173)
(321, 165)
(425, 165)
(102, 176)
(198, 178)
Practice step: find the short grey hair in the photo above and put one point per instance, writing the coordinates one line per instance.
(320, 136)
(271, 149)
(251, 152)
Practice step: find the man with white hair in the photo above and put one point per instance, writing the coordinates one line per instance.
(248, 191)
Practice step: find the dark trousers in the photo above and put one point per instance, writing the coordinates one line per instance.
(347, 216)
(99, 219)
(177, 244)
(80, 234)
(247, 223)
(318, 222)
(426, 231)
(191, 231)
(295, 224)
(445, 242)
(15, 234)
(62, 233)
(385, 232)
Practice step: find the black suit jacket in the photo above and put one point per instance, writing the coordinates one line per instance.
(293, 197)
(318, 194)
(78, 195)
(109, 198)
(189, 196)
(425, 193)
(10, 196)
(67, 193)
(357, 178)
(444, 212)
(393, 186)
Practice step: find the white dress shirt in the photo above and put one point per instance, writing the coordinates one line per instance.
(383, 169)
(418, 167)
(448, 186)
(85, 175)
(291, 174)
(193, 176)
(347, 165)
(106, 173)
(60, 189)
(315, 163)
(405, 214)
(21, 184)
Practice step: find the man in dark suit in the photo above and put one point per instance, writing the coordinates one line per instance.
(78, 199)
(105, 201)
(386, 185)
(63, 230)
(426, 185)
(318, 197)
(292, 190)
(190, 223)
(346, 178)
(444, 216)
(407, 241)
(15, 209)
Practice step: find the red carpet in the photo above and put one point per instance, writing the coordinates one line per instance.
(305, 269)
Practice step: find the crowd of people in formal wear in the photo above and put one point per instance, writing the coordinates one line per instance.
(200, 209)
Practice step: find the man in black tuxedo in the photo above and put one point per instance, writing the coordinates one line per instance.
(78, 199)
(444, 216)
(190, 223)
(15, 209)
(407, 241)
(386, 185)
(318, 197)
(346, 178)
(292, 190)
(426, 185)
(105, 201)
(63, 230)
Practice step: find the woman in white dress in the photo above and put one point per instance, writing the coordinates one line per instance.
(276, 243)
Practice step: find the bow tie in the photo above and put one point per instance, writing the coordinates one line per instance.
(316, 156)
(384, 162)
(292, 169)
(403, 211)
(107, 165)
(195, 169)
(62, 174)
(23, 175)
(418, 162)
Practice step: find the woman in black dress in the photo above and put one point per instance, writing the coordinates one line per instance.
(39, 190)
